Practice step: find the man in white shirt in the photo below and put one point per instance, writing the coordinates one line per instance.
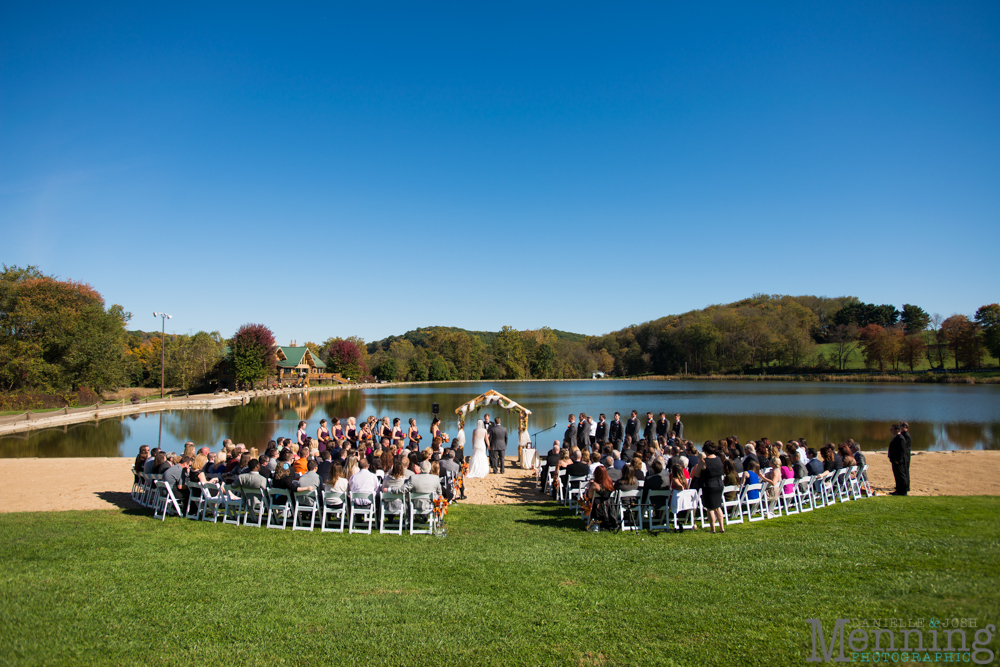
(363, 481)
(593, 430)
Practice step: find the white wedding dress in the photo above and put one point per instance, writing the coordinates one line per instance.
(479, 466)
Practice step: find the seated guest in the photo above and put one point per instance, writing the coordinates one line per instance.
(751, 456)
(336, 482)
(829, 464)
(197, 472)
(730, 478)
(551, 461)
(251, 479)
(265, 466)
(324, 464)
(363, 481)
(176, 478)
(798, 467)
(577, 468)
(147, 466)
(426, 482)
(787, 474)
(753, 478)
(859, 457)
(813, 465)
(448, 464)
(310, 481)
(638, 468)
(679, 478)
(610, 469)
(160, 463)
(140, 459)
(599, 491)
(595, 461)
(656, 481)
(396, 482)
(618, 463)
(627, 482)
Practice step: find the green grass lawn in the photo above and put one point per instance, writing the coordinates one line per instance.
(509, 585)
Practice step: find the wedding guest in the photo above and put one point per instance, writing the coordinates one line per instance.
(251, 479)
(140, 458)
(627, 482)
(363, 481)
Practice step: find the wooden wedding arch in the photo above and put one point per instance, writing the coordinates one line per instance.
(496, 398)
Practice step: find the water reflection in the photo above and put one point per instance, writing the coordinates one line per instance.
(942, 417)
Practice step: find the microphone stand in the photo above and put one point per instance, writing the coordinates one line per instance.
(542, 431)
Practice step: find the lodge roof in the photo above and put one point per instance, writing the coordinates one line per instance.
(294, 357)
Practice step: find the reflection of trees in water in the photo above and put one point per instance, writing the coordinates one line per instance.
(252, 424)
(85, 439)
(345, 404)
(202, 427)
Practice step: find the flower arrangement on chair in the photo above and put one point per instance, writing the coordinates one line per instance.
(439, 511)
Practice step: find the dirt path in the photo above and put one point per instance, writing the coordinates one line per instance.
(105, 483)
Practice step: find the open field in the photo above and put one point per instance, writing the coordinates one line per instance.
(515, 584)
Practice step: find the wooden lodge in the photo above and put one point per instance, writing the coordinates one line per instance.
(300, 365)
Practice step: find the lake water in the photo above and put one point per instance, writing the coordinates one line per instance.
(942, 417)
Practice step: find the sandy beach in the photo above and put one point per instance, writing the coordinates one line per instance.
(105, 483)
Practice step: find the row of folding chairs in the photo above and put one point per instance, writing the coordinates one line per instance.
(330, 511)
(665, 510)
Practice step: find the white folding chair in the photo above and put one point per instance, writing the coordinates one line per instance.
(732, 507)
(863, 481)
(306, 504)
(196, 501)
(688, 501)
(789, 497)
(365, 511)
(754, 506)
(136, 484)
(659, 517)
(334, 507)
(803, 489)
(853, 485)
(841, 485)
(421, 520)
(627, 503)
(393, 505)
(772, 506)
(148, 497)
(574, 491)
(827, 491)
(165, 502)
(232, 505)
(279, 506)
(213, 502)
(255, 502)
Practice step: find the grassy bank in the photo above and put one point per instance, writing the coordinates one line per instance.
(509, 585)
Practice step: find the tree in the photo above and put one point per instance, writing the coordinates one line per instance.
(541, 365)
(845, 340)
(913, 348)
(863, 314)
(508, 352)
(873, 345)
(386, 370)
(988, 318)
(96, 356)
(914, 318)
(955, 333)
(344, 357)
(252, 354)
(438, 370)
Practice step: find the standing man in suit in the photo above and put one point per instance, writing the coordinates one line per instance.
(498, 447)
(569, 438)
(582, 431)
(649, 433)
(899, 457)
(616, 432)
(678, 427)
(632, 427)
(601, 432)
(662, 426)
(487, 424)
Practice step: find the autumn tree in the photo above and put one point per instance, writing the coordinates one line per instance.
(913, 348)
(252, 354)
(344, 356)
(988, 318)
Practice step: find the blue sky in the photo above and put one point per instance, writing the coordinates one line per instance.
(335, 171)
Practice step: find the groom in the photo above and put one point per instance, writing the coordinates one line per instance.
(498, 446)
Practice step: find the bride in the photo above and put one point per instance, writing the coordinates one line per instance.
(480, 464)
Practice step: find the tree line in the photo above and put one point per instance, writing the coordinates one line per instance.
(59, 335)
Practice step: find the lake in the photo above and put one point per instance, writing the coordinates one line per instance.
(942, 417)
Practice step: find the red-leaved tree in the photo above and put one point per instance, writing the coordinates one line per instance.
(344, 357)
(252, 354)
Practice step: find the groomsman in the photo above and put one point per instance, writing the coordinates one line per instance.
(583, 432)
(662, 426)
(632, 427)
(616, 432)
(678, 427)
(649, 433)
(569, 438)
(601, 432)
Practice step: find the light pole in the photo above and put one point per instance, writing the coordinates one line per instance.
(163, 346)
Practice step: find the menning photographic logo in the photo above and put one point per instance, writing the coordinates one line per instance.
(916, 644)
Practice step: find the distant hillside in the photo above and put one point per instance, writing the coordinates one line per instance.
(419, 337)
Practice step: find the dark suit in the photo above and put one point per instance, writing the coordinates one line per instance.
(678, 429)
(899, 457)
(649, 433)
(662, 427)
(614, 473)
(628, 455)
(616, 433)
(653, 482)
(569, 438)
(583, 434)
(632, 429)
(602, 432)
(498, 447)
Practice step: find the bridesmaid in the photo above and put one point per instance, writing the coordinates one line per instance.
(385, 430)
(323, 433)
(352, 431)
(301, 437)
(436, 431)
(397, 433)
(414, 435)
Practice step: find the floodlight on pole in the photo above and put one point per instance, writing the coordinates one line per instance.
(163, 346)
